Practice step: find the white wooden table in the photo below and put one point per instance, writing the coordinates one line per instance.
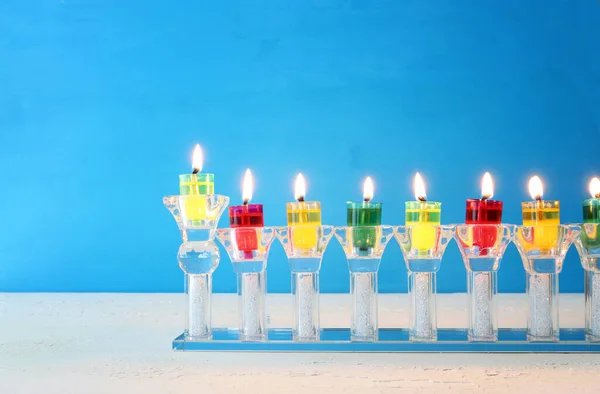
(121, 343)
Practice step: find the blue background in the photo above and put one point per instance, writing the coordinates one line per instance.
(102, 101)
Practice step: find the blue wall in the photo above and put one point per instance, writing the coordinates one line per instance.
(102, 101)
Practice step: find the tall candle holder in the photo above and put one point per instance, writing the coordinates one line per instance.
(588, 246)
(364, 247)
(304, 247)
(248, 250)
(197, 217)
(482, 247)
(543, 259)
(423, 260)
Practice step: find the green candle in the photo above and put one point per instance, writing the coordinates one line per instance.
(591, 214)
(364, 214)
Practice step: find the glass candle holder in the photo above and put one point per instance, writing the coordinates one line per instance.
(304, 247)
(482, 259)
(250, 266)
(588, 246)
(543, 262)
(197, 217)
(422, 265)
(363, 263)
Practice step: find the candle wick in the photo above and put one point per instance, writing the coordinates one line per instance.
(597, 195)
(245, 202)
(195, 171)
(483, 198)
(422, 199)
(301, 199)
(367, 199)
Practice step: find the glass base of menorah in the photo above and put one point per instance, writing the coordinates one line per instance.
(391, 340)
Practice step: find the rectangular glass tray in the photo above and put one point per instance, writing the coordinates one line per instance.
(391, 340)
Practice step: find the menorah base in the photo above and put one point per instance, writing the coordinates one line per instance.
(391, 340)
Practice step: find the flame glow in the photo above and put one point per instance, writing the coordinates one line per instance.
(368, 189)
(419, 188)
(300, 188)
(595, 187)
(247, 187)
(197, 159)
(487, 186)
(536, 188)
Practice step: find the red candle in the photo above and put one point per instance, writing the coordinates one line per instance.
(484, 211)
(244, 218)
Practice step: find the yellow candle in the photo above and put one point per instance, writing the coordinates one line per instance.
(424, 217)
(543, 216)
(196, 185)
(306, 214)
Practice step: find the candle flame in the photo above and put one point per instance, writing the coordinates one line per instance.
(419, 188)
(487, 186)
(248, 187)
(595, 187)
(368, 189)
(536, 188)
(300, 188)
(197, 159)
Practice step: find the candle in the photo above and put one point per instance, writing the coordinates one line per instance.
(303, 213)
(196, 184)
(423, 215)
(543, 216)
(484, 211)
(591, 214)
(365, 213)
(591, 206)
(246, 215)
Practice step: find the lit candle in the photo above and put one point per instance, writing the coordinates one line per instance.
(303, 213)
(423, 215)
(543, 216)
(591, 214)
(246, 215)
(196, 184)
(365, 213)
(484, 210)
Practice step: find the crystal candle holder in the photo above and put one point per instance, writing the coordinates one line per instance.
(588, 246)
(197, 217)
(482, 247)
(543, 262)
(304, 247)
(422, 265)
(248, 250)
(364, 256)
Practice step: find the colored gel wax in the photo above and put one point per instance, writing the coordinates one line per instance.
(304, 214)
(480, 211)
(196, 209)
(244, 218)
(591, 214)
(423, 217)
(364, 214)
(544, 217)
